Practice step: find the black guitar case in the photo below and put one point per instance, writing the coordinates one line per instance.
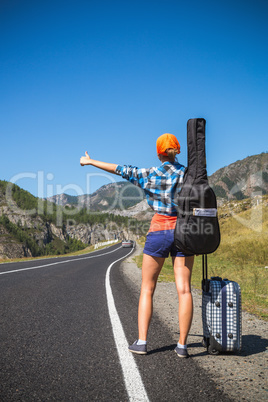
(197, 229)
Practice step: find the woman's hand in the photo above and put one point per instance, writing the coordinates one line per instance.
(109, 167)
(85, 160)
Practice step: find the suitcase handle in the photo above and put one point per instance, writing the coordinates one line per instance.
(205, 281)
(205, 266)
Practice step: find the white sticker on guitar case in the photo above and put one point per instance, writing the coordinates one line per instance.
(205, 212)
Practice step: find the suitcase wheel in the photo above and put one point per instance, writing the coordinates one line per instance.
(205, 342)
(212, 351)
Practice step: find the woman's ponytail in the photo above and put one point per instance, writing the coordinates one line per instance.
(172, 153)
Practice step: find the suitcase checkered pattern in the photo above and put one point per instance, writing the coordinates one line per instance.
(221, 314)
(206, 313)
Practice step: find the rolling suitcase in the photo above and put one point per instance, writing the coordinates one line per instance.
(221, 313)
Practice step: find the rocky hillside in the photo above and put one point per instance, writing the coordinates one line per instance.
(34, 227)
(242, 179)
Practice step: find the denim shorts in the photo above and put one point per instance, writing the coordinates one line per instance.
(161, 244)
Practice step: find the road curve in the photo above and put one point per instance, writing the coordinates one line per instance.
(57, 337)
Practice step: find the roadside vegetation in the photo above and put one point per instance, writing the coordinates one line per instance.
(54, 247)
(86, 250)
(50, 213)
(242, 257)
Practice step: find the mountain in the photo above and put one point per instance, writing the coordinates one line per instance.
(30, 226)
(63, 199)
(110, 197)
(241, 179)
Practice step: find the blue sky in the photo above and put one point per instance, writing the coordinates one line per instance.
(109, 77)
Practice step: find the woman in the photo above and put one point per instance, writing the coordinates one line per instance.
(160, 185)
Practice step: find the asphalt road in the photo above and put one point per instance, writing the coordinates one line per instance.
(57, 341)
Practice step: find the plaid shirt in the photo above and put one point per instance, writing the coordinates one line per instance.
(158, 183)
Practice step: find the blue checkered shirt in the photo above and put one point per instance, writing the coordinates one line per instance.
(160, 184)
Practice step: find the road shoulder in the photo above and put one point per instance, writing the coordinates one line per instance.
(241, 377)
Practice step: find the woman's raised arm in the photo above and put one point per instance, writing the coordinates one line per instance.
(108, 167)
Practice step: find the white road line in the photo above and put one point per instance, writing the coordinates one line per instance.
(58, 262)
(133, 381)
(48, 258)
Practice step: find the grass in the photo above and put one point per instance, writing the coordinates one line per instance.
(241, 257)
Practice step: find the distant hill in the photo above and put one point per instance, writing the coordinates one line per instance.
(242, 179)
(113, 196)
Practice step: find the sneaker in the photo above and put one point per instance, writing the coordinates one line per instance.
(139, 349)
(181, 352)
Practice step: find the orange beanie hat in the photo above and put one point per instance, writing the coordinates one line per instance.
(166, 141)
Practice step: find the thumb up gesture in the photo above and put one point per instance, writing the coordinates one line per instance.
(85, 160)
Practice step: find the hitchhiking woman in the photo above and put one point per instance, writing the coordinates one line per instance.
(160, 185)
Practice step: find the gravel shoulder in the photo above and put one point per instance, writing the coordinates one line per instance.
(243, 376)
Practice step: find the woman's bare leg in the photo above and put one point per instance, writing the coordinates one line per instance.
(151, 267)
(183, 271)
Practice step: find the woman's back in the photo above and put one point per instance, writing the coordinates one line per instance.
(160, 184)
